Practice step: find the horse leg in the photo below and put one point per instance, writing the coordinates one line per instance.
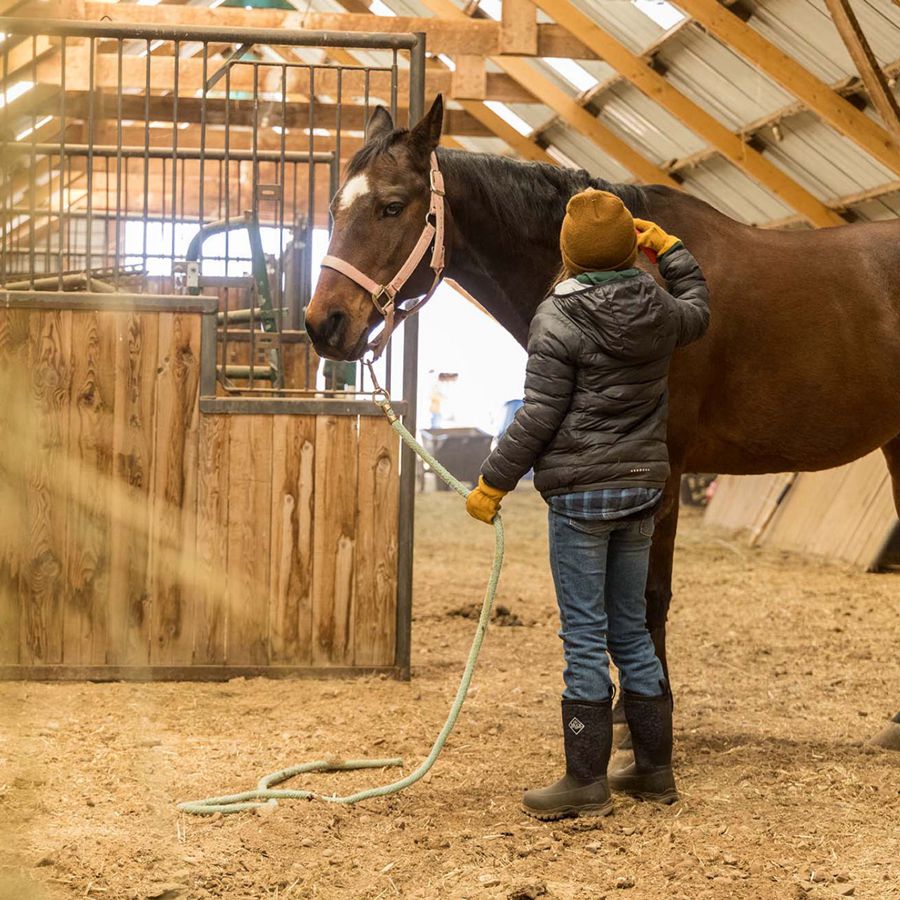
(889, 736)
(658, 591)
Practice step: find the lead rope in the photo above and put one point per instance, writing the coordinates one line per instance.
(265, 795)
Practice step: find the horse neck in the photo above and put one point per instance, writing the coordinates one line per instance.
(506, 220)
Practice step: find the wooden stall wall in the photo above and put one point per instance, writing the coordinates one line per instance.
(846, 513)
(143, 538)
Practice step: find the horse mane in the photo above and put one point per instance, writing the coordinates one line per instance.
(529, 193)
(512, 187)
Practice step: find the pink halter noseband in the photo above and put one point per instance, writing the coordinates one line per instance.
(431, 232)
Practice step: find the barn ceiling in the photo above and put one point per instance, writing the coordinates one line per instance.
(778, 112)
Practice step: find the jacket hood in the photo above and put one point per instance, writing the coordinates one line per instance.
(620, 312)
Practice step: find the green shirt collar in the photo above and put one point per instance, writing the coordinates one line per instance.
(603, 277)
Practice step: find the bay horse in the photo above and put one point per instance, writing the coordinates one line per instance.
(800, 368)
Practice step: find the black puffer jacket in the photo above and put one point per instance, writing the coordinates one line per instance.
(596, 395)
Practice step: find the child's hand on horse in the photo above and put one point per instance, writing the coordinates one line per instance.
(483, 503)
(652, 237)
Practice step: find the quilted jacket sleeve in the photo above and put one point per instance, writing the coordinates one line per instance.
(553, 344)
(687, 287)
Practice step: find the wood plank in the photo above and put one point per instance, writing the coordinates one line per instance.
(469, 77)
(518, 28)
(189, 673)
(89, 526)
(378, 507)
(18, 419)
(173, 488)
(290, 595)
(866, 64)
(819, 97)
(444, 34)
(744, 501)
(134, 422)
(211, 588)
(335, 539)
(249, 544)
(43, 585)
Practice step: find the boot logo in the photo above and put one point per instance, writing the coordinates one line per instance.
(576, 726)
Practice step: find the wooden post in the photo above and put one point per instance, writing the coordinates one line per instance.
(469, 78)
(519, 28)
(864, 59)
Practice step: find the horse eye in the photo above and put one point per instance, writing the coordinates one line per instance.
(392, 210)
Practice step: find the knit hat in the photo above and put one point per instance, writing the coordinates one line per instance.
(597, 233)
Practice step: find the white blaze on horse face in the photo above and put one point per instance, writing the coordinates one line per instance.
(356, 187)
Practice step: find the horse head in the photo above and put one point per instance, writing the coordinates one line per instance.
(378, 214)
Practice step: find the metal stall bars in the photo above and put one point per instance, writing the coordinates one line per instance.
(124, 147)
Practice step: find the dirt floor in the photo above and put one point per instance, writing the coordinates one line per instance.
(782, 669)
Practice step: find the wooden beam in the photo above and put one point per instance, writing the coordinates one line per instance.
(498, 85)
(815, 94)
(242, 113)
(518, 28)
(523, 145)
(658, 89)
(469, 78)
(567, 108)
(444, 35)
(864, 59)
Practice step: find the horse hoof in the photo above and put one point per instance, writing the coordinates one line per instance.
(889, 736)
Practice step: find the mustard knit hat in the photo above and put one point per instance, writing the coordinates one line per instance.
(597, 233)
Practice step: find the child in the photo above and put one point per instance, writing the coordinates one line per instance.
(593, 426)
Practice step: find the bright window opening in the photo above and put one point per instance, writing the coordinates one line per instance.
(565, 161)
(447, 61)
(36, 127)
(575, 74)
(491, 8)
(508, 116)
(159, 242)
(16, 91)
(380, 8)
(664, 14)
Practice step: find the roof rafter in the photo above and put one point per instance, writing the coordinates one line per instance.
(864, 59)
(567, 108)
(797, 80)
(694, 117)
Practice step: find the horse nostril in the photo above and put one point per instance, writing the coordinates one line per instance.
(333, 324)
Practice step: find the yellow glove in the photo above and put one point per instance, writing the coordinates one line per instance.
(652, 237)
(484, 502)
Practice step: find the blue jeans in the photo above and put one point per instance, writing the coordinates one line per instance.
(600, 573)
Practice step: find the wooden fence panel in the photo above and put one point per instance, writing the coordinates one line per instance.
(137, 337)
(335, 539)
(376, 542)
(174, 489)
(212, 542)
(88, 527)
(141, 538)
(249, 522)
(290, 598)
(44, 453)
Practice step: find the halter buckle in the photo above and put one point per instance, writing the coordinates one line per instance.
(436, 182)
(376, 297)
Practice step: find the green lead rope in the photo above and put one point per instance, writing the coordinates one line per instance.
(266, 795)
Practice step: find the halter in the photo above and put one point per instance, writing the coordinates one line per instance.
(384, 295)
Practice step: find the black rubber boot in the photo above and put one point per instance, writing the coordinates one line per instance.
(650, 776)
(582, 791)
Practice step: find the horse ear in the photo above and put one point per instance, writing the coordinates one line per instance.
(380, 123)
(427, 133)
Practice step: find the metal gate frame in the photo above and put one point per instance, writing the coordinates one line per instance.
(354, 403)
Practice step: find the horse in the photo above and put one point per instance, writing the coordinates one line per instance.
(800, 368)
